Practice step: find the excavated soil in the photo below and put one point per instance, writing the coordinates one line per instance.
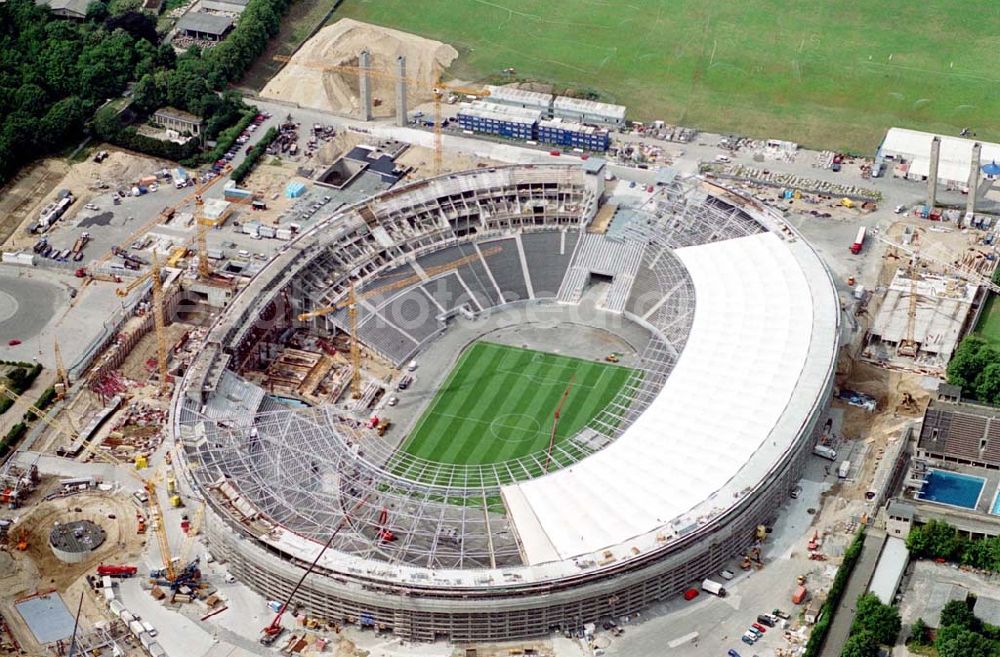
(305, 82)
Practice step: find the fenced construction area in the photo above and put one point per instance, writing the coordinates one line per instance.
(498, 404)
(826, 74)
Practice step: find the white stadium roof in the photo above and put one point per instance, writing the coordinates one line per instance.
(759, 353)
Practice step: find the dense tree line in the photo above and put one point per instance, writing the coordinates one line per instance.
(875, 624)
(939, 540)
(54, 74)
(961, 633)
(818, 635)
(976, 367)
(257, 152)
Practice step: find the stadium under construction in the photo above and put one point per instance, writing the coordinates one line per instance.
(726, 319)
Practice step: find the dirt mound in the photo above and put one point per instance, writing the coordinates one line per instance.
(304, 81)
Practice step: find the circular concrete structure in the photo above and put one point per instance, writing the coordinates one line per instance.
(73, 542)
(738, 322)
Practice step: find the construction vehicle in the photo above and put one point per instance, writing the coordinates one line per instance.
(385, 535)
(859, 241)
(440, 91)
(21, 543)
(612, 358)
(116, 571)
(274, 630)
(142, 230)
(382, 426)
(714, 588)
(351, 303)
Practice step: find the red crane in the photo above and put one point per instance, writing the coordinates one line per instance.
(555, 422)
(270, 633)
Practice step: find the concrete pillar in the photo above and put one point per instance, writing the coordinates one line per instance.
(401, 91)
(365, 84)
(974, 170)
(932, 174)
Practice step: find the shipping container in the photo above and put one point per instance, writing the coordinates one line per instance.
(799, 595)
(136, 627)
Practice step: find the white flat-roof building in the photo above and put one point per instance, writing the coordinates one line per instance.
(522, 98)
(588, 111)
(889, 570)
(909, 153)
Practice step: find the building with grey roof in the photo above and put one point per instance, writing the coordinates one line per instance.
(588, 111)
(209, 27)
(522, 98)
(228, 6)
(66, 8)
(889, 571)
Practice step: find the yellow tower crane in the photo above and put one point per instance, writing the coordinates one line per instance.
(438, 90)
(61, 374)
(159, 321)
(51, 422)
(165, 214)
(351, 303)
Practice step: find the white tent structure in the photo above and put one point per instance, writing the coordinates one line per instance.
(914, 148)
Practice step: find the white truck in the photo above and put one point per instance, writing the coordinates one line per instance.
(825, 452)
(714, 588)
(844, 470)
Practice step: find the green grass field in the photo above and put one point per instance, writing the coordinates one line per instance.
(822, 73)
(497, 404)
(988, 327)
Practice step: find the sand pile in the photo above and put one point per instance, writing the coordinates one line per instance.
(304, 81)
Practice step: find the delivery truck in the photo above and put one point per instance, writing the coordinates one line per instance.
(714, 588)
(825, 452)
(859, 241)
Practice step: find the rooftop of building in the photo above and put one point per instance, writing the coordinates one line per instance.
(589, 107)
(199, 21)
(177, 115)
(515, 95)
(486, 110)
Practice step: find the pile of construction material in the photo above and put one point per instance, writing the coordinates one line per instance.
(138, 432)
(789, 180)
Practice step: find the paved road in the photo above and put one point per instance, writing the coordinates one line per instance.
(857, 586)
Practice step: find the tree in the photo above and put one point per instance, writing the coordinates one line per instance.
(63, 119)
(937, 539)
(106, 123)
(971, 358)
(880, 620)
(97, 11)
(958, 614)
(139, 24)
(860, 644)
(987, 383)
(956, 641)
(918, 632)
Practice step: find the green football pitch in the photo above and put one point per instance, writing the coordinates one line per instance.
(498, 403)
(824, 73)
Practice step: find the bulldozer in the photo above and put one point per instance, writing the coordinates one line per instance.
(22, 540)
(908, 404)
